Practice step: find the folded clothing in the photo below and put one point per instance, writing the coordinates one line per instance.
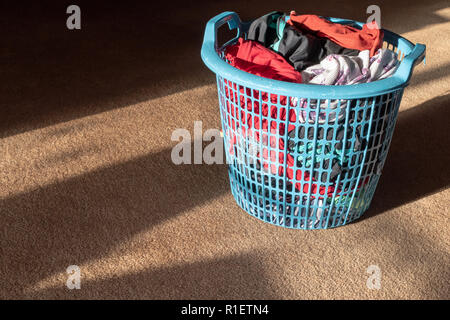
(349, 37)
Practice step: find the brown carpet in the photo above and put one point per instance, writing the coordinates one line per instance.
(86, 177)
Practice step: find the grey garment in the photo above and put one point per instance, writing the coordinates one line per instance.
(303, 50)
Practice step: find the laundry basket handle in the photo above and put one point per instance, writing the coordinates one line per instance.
(215, 23)
(416, 56)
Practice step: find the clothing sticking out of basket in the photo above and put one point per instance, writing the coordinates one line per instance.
(368, 38)
(256, 59)
(301, 49)
(344, 70)
(326, 62)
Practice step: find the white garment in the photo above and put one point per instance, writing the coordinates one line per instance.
(338, 69)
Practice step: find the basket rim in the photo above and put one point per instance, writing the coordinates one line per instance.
(414, 54)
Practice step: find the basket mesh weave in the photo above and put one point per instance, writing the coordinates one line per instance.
(281, 152)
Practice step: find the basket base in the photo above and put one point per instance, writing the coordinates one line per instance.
(314, 215)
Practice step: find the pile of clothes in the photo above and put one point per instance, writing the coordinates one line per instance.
(311, 49)
(301, 49)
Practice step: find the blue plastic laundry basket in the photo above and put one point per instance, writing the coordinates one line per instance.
(350, 125)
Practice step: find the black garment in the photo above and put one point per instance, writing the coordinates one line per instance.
(264, 29)
(303, 50)
(299, 48)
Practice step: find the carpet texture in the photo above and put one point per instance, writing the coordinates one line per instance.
(86, 177)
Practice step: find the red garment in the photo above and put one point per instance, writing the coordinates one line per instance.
(346, 36)
(254, 58)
